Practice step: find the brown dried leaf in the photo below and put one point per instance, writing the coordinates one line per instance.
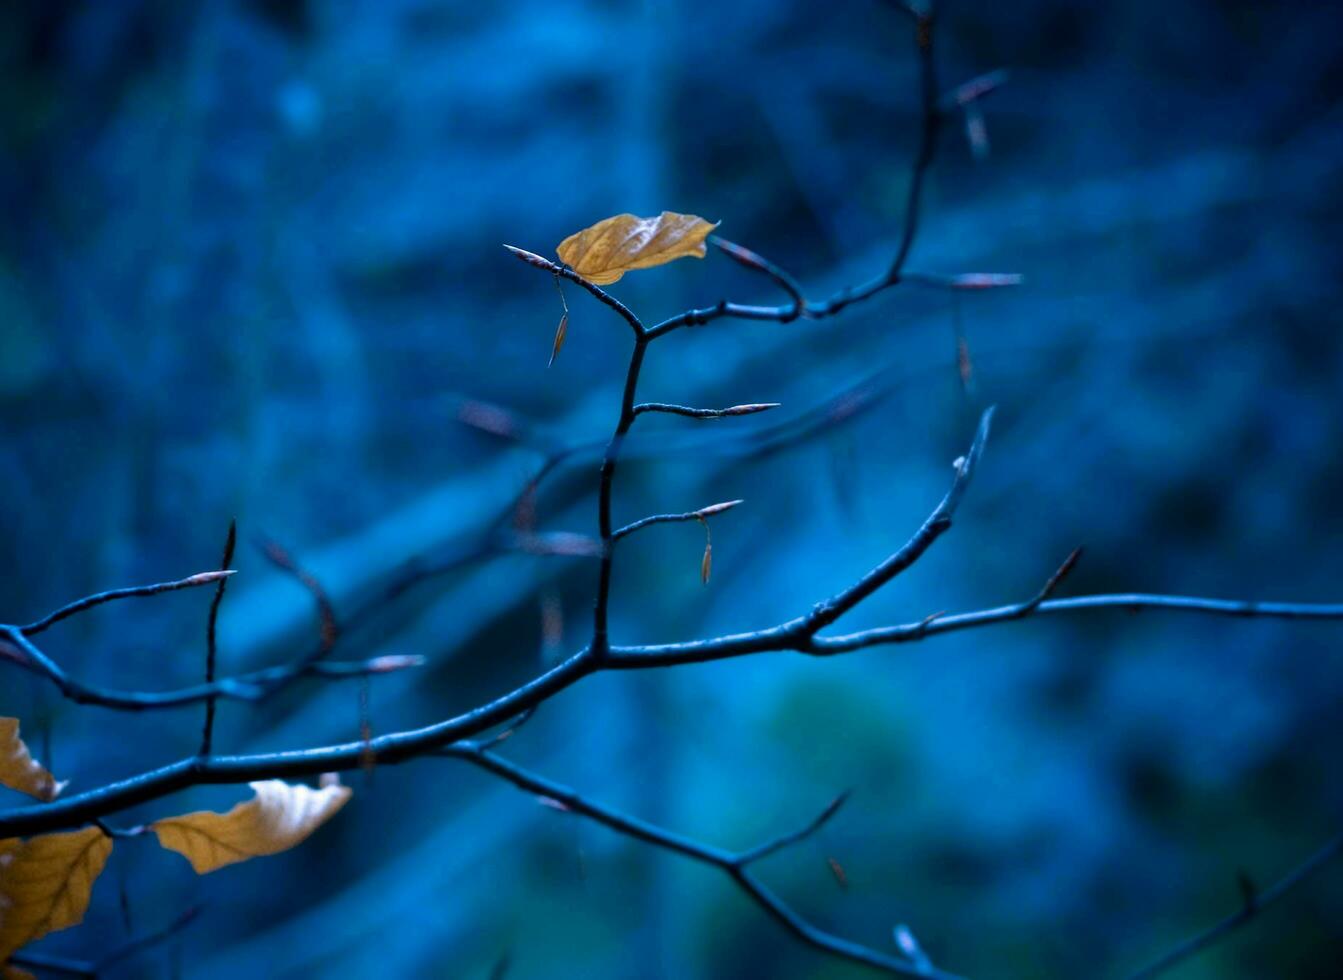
(607, 250)
(19, 770)
(706, 563)
(559, 337)
(280, 816)
(46, 882)
(8, 972)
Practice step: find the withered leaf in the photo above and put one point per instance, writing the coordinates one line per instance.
(19, 770)
(280, 816)
(560, 331)
(607, 250)
(706, 563)
(46, 883)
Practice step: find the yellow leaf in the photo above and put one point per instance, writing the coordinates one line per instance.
(46, 882)
(280, 816)
(18, 769)
(609, 249)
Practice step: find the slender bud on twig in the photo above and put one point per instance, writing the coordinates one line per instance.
(488, 418)
(985, 280)
(975, 89)
(205, 578)
(751, 409)
(531, 258)
(392, 662)
(713, 509)
(911, 948)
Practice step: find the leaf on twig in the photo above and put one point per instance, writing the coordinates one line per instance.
(607, 250)
(19, 770)
(280, 816)
(560, 331)
(46, 882)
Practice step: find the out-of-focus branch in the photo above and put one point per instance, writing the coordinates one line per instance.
(1255, 902)
(732, 863)
(67, 967)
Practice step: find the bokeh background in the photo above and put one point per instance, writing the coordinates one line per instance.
(250, 266)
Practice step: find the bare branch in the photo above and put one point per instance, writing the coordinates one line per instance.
(207, 733)
(253, 686)
(65, 966)
(692, 515)
(1255, 902)
(705, 413)
(134, 592)
(761, 264)
(786, 840)
(938, 522)
(328, 630)
(733, 864)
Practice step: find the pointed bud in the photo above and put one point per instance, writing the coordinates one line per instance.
(531, 258)
(393, 662)
(751, 409)
(985, 280)
(713, 509)
(205, 578)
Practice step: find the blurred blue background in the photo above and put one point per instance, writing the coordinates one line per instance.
(250, 265)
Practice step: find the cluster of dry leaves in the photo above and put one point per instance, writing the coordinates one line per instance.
(46, 881)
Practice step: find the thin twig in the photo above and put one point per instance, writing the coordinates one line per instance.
(207, 732)
(786, 840)
(531, 258)
(1255, 904)
(732, 863)
(796, 634)
(134, 592)
(692, 515)
(705, 413)
(253, 686)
